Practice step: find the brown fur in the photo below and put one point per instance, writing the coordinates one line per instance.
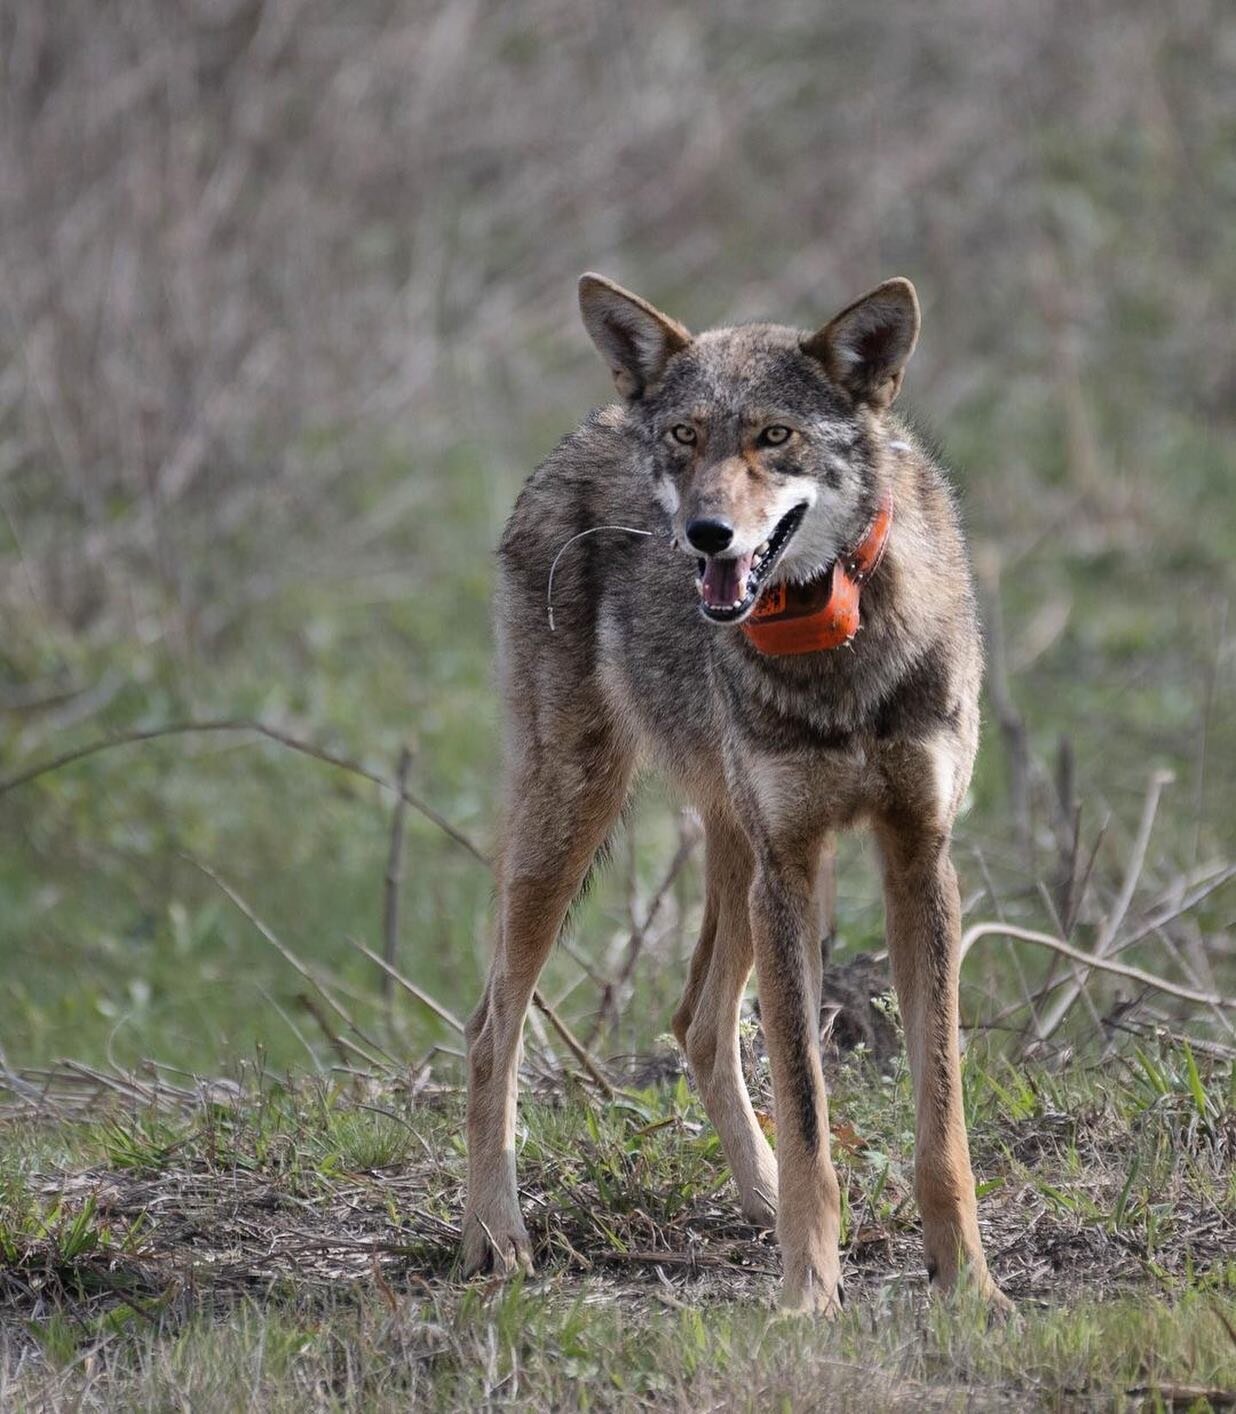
(776, 753)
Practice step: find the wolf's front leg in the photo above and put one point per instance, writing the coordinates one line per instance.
(531, 912)
(494, 1236)
(562, 806)
(924, 934)
(787, 957)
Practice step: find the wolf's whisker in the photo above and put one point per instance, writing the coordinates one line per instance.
(592, 530)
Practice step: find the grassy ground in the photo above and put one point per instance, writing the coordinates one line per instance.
(292, 1246)
(193, 1253)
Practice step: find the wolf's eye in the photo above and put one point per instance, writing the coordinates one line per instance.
(683, 433)
(775, 436)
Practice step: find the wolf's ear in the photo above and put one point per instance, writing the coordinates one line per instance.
(866, 347)
(634, 339)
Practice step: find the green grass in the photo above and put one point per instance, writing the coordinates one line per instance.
(294, 1247)
(531, 1350)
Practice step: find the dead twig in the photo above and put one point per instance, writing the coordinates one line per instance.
(295, 1030)
(573, 1045)
(293, 961)
(1050, 982)
(1203, 883)
(639, 935)
(410, 987)
(1090, 960)
(1190, 972)
(1208, 883)
(243, 724)
(314, 1008)
(1027, 996)
(1157, 1030)
(394, 877)
(1111, 925)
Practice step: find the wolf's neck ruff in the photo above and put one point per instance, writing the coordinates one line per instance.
(823, 613)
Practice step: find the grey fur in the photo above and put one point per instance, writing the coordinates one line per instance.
(775, 752)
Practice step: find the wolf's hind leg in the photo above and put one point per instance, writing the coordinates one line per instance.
(706, 1022)
(562, 799)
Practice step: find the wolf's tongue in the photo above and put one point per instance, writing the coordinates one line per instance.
(725, 582)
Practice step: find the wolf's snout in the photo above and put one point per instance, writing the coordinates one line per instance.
(709, 534)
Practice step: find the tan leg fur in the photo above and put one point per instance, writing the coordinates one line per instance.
(706, 1022)
(924, 936)
(562, 807)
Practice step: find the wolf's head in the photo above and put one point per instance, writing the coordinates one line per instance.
(764, 442)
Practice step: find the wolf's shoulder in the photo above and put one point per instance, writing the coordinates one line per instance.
(602, 444)
(587, 478)
(590, 464)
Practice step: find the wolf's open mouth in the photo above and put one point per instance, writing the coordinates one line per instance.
(729, 587)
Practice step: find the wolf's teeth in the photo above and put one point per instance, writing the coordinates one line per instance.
(763, 549)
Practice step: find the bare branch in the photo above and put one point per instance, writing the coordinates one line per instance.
(410, 987)
(1089, 960)
(244, 724)
(291, 959)
(1111, 925)
(639, 934)
(572, 1044)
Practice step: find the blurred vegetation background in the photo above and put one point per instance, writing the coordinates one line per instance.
(286, 315)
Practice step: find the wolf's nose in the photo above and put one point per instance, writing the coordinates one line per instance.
(709, 534)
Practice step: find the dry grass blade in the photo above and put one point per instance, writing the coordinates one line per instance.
(1221, 1316)
(293, 961)
(1111, 926)
(1119, 969)
(411, 988)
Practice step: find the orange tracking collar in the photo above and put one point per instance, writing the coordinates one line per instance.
(823, 613)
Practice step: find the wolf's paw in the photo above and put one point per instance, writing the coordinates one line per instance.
(495, 1244)
(759, 1209)
(812, 1295)
(999, 1307)
(975, 1278)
